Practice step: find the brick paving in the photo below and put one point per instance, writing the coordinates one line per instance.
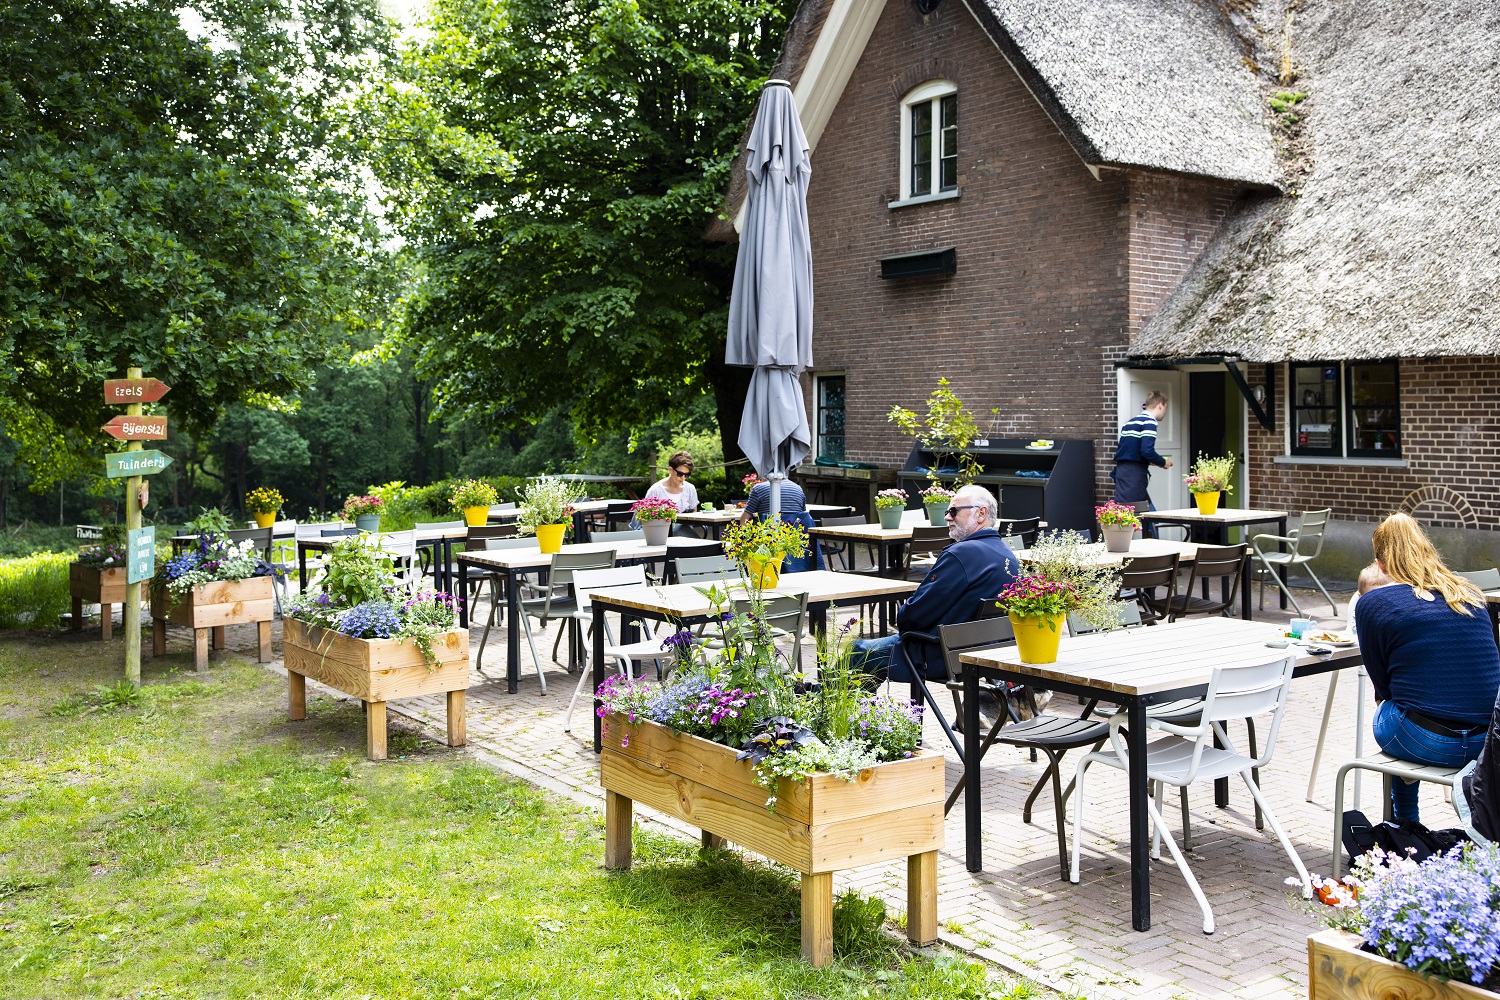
(1019, 913)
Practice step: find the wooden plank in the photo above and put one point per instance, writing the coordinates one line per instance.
(158, 637)
(817, 918)
(375, 730)
(618, 830)
(200, 649)
(336, 674)
(379, 683)
(1224, 515)
(753, 826)
(876, 790)
(921, 898)
(899, 833)
(1338, 970)
(457, 720)
(263, 641)
(218, 636)
(97, 586)
(296, 696)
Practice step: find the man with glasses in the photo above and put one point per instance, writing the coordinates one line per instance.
(971, 571)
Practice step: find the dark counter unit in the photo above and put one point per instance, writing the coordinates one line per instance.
(1055, 484)
(846, 484)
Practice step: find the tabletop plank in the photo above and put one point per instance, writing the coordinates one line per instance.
(684, 600)
(526, 557)
(1224, 515)
(1186, 552)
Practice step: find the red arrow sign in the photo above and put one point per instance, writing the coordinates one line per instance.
(134, 390)
(137, 428)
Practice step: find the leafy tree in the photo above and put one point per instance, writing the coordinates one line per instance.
(180, 194)
(555, 163)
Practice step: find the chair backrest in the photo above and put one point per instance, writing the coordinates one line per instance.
(684, 549)
(624, 535)
(1216, 562)
(1484, 579)
(496, 508)
(841, 520)
(1130, 617)
(398, 544)
(926, 538)
(616, 514)
(585, 580)
(787, 612)
(1140, 506)
(960, 638)
(493, 544)
(1310, 530)
(565, 564)
(260, 536)
(305, 532)
(438, 525)
(836, 512)
(813, 558)
(1149, 571)
(480, 534)
(705, 569)
(1013, 542)
(1243, 692)
(918, 516)
(338, 532)
(1025, 527)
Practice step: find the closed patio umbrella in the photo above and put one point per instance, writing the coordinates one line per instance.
(770, 307)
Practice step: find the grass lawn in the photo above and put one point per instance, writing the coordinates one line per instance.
(196, 844)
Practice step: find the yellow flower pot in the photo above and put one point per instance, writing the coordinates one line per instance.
(764, 573)
(1208, 503)
(549, 537)
(1037, 637)
(476, 517)
(264, 520)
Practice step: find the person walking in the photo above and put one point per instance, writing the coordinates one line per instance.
(1136, 452)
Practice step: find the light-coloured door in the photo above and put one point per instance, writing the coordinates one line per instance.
(1167, 491)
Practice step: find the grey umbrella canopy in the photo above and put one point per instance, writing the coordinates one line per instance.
(770, 307)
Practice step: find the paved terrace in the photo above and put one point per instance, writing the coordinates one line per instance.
(1019, 913)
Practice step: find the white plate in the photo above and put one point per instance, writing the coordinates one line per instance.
(1039, 447)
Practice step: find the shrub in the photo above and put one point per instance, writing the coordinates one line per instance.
(34, 590)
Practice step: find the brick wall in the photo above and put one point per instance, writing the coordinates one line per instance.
(1055, 268)
(1450, 416)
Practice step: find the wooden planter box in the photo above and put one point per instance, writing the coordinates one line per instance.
(104, 587)
(376, 671)
(1339, 970)
(821, 825)
(207, 609)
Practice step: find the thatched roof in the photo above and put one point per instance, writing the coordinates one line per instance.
(1159, 85)
(1390, 246)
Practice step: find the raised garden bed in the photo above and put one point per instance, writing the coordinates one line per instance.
(210, 607)
(1339, 970)
(104, 587)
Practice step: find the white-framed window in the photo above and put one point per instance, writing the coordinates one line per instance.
(929, 140)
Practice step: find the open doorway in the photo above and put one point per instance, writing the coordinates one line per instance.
(1216, 425)
(1166, 489)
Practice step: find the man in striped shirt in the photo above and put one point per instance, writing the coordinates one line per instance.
(1136, 452)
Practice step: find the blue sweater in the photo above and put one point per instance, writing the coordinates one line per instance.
(1423, 655)
(1138, 441)
(965, 575)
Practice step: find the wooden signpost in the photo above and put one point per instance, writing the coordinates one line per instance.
(131, 464)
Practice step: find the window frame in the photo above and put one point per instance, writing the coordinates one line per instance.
(931, 94)
(819, 407)
(1345, 406)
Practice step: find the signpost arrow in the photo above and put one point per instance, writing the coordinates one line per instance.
(120, 464)
(134, 390)
(128, 428)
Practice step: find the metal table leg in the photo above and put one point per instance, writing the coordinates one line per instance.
(598, 668)
(1140, 820)
(301, 568)
(973, 842)
(1281, 570)
(513, 632)
(463, 595)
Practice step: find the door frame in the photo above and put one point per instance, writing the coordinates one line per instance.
(1166, 490)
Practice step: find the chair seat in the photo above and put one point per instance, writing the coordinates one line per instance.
(1169, 759)
(1184, 604)
(648, 649)
(1284, 558)
(562, 607)
(1056, 731)
(1183, 712)
(1398, 767)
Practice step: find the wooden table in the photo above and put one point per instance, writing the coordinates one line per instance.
(1185, 552)
(684, 604)
(1133, 668)
(716, 520)
(512, 564)
(1214, 529)
(885, 540)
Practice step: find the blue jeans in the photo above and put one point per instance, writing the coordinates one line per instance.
(873, 656)
(1401, 737)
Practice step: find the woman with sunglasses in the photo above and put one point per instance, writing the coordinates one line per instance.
(676, 487)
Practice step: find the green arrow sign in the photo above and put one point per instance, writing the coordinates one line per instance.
(140, 551)
(119, 464)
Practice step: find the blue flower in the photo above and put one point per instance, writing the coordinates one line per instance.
(370, 620)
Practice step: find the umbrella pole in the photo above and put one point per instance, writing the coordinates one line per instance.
(775, 479)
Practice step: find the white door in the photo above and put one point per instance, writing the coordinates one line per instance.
(1166, 490)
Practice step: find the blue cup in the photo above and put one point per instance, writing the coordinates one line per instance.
(1301, 626)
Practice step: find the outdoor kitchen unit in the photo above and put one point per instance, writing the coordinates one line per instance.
(1055, 483)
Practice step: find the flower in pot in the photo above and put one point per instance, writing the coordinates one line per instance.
(263, 502)
(760, 546)
(1209, 478)
(936, 499)
(474, 497)
(364, 511)
(1061, 578)
(1117, 522)
(889, 506)
(655, 515)
(750, 481)
(546, 508)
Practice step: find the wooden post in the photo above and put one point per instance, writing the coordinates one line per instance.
(921, 898)
(817, 918)
(712, 841)
(375, 730)
(158, 636)
(200, 649)
(132, 590)
(617, 830)
(263, 635)
(218, 642)
(296, 686)
(458, 726)
(77, 623)
(107, 626)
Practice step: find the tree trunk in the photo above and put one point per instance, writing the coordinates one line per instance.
(323, 478)
(4, 496)
(730, 384)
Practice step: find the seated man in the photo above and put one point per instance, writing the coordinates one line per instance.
(971, 571)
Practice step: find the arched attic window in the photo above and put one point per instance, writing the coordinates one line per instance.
(929, 140)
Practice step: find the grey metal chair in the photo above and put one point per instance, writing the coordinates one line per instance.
(843, 547)
(1140, 576)
(922, 551)
(561, 606)
(497, 606)
(1211, 562)
(1306, 542)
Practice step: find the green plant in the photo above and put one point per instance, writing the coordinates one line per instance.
(34, 590)
(1062, 577)
(1212, 475)
(947, 432)
(264, 500)
(210, 521)
(1283, 104)
(654, 509)
(357, 572)
(768, 539)
(548, 501)
(472, 493)
(890, 498)
(361, 506)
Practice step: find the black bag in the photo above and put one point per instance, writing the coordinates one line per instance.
(1396, 837)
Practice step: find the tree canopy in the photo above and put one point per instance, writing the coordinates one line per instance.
(181, 193)
(555, 164)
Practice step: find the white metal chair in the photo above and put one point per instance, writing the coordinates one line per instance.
(401, 546)
(622, 535)
(1306, 541)
(1187, 754)
(553, 605)
(913, 517)
(785, 614)
(590, 581)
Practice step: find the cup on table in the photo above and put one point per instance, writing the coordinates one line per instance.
(705, 506)
(1301, 626)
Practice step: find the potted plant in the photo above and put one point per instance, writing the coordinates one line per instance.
(263, 503)
(97, 576)
(936, 499)
(749, 482)
(364, 511)
(947, 433)
(819, 776)
(760, 546)
(1060, 578)
(474, 497)
(889, 506)
(1209, 478)
(547, 509)
(214, 584)
(1117, 522)
(655, 515)
(367, 637)
(1403, 928)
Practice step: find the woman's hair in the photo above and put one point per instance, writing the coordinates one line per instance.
(680, 458)
(1370, 577)
(1408, 557)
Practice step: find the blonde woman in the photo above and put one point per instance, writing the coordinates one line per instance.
(1430, 652)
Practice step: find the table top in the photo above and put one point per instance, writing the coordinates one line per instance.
(684, 600)
(532, 557)
(1186, 552)
(424, 536)
(1157, 658)
(580, 477)
(1224, 515)
(866, 532)
(725, 514)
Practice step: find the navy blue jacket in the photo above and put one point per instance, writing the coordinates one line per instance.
(965, 576)
(1138, 441)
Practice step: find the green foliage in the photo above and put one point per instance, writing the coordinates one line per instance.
(1211, 475)
(555, 167)
(32, 539)
(192, 206)
(547, 501)
(472, 493)
(357, 572)
(947, 432)
(1284, 102)
(405, 506)
(34, 590)
(210, 521)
